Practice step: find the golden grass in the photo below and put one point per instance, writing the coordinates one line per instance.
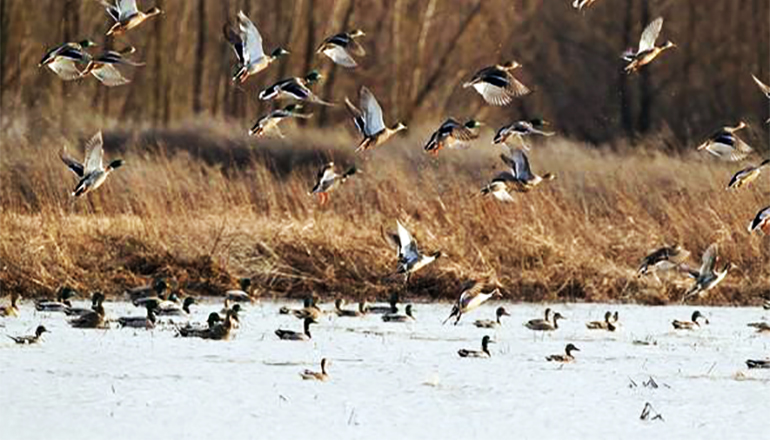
(205, 205)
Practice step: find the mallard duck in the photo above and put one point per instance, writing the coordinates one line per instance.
(30, 339)
(296, 88)
(471, 296)
(222, 330)
(291, 335)
(64, 58)
(397, 317)
(746, 175)
(497, 85)
(707, 277)
(61, 303)
(483, 353)
(663, 259)
(12, 309)
(173, 309)
(314, 375)
(79, 311)
(520, 175)
(764, 88)
(244, 294)
(339, 303)
(563, 358)
(369, 121)
(410, 259)
(329, 180)
(540, 321)
(521, 129)
(269, 123)
(392, 306)
(545, 325)
(104, 67)
(762, 327)
(156, 289)
(247, 44)
(489, 323)
(126, 15)
(340, 47)
(145, 322)
(580, 4)
(761, 221)
(197, 330)
(94, 318)
(689, 325)
(725, 144)
(497, 189)
(92, 172)
(607, 324)
(647, 51)
(452, 134)
(758, 363)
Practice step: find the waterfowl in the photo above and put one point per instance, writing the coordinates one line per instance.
(247, 44)
(410, 259)
(314, 375)
(199, 331)
(291, 335)
(104, 67)
(30, 339)
(80, 311)
(452, 134)
(707, 277)
(93, 318)
(725, 144)
(497, 85)
(761, 221)
(746, 175)
(339, 303)
(540, 321)
(340, 48)
(222, 330)
(369, 121)
(544, 325)
(156, 289)
(242, 295)
(471, 296)
(483, 353)
(520, 175)
(311, 311)
(689, 325)
(647, 51)
(173, 309)
(12, 309)
(296, 88)
(764, 88)
(397, 317)
(521, 129)
(392, 306)
(762, 327)
(489, 323)
(269, 123)
(497, 189)
(663, 259)
(126, 15)
(92, 172)
(64, 58)
(580, 4)
(607, 324)
(61, 303)
(145, 322)
(758, 363)
(328, 180)
(563, 358)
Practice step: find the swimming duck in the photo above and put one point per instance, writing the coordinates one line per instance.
(145, 322)
(761, 221)
(369, 121)
(663, 259)
(483, 353)
(291, 335)
(707, 277)
(247, 44)
(126, 15)
(746, 175)
(242, 295)
(156, 289)
(92, 172)
(452, 134)
(309, 310)
(761, 327)
(329, 180)
(520, 174)
(339, 303)
(222, 330)
(410, 259)
(296, 88)
(104, 67)
(497, 85)
(33, 339)
(545, 325)
(397, 317)
(79, 311)
(580, 4)
(392, 306)
(269, 123)
(94, 318)
(488, 323)
(173, 309)
(607, 324)
(61, 303)
(197, 330)
(764, 88)
(339, 48)
(725, 144)
(689, 325)
(64, 58)
(314, 375)
(563, 358)
(540, 321)
(758, 363)
(497, 189)
(471, 297)
(521, 129)
(11, 310)
(647, 51)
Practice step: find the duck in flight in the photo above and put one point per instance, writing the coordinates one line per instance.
(410, 258)
(452, 134)
(328, 181)
(63, 59)
(726, 145)
(497, 85)
(471, 297)
(92, 172)
(369, 121)
(104, 67)
(520, 129)
(127, 15)
(708, 276)
(520, 175)
(647, 51)
(296, 88)
(269, 123)
(247, 44)
(341, 47)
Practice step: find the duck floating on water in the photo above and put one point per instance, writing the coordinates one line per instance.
(563, 358)
(12, 309)
(489, 323)
(397, 317)
(315, 375)
(758, 363)
(93, 318)
(62, 302)
(141, 322)
(291, 335)
(693, 324)
(483, 353)
(545, 325)
(339, 303)
(30, 339)
(607, 324)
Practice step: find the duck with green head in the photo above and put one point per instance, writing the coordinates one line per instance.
(30, 339)
(340, 48)
(452, 134)
(127, 15)
(92, 172)
(369, 121)
(63, 59)
(247, 44)
(295, 88)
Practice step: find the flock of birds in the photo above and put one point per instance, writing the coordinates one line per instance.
(496, 84)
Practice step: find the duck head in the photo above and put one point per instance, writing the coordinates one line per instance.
(313, 77)
(501, 312)
(509, 65)
(570, 348)
(356, 33)
(40, 330)
(279, 52)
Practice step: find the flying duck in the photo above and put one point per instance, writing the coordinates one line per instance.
(410, 259)
(92, 172)
(104, 67)
(764, 88)
(328, 180)
(726, 145)
(663, 259)
(296, 88)
(247, 44)
(369, 121)
(497, 85)
(452, 134)
(269, 123)
(471, 297)
(340, 48)
(707, 277)
(521, 129)
(64, 58)
(520, 175)
(126, 15)
(647, 51)
(746, 175)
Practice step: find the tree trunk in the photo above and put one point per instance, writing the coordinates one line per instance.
(200, 57)
(626, 111)
(159, 84)
(332, 75)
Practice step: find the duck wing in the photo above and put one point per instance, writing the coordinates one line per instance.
(762, 86)
(709, 260)
(235, 40)
(74, 166)
(650, 34)
(252, 40)
(94, 153)
(340, 56)
(373, 120)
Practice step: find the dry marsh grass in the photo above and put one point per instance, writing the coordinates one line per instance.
(204, 205)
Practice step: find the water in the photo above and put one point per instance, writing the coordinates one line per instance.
(388, 380)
